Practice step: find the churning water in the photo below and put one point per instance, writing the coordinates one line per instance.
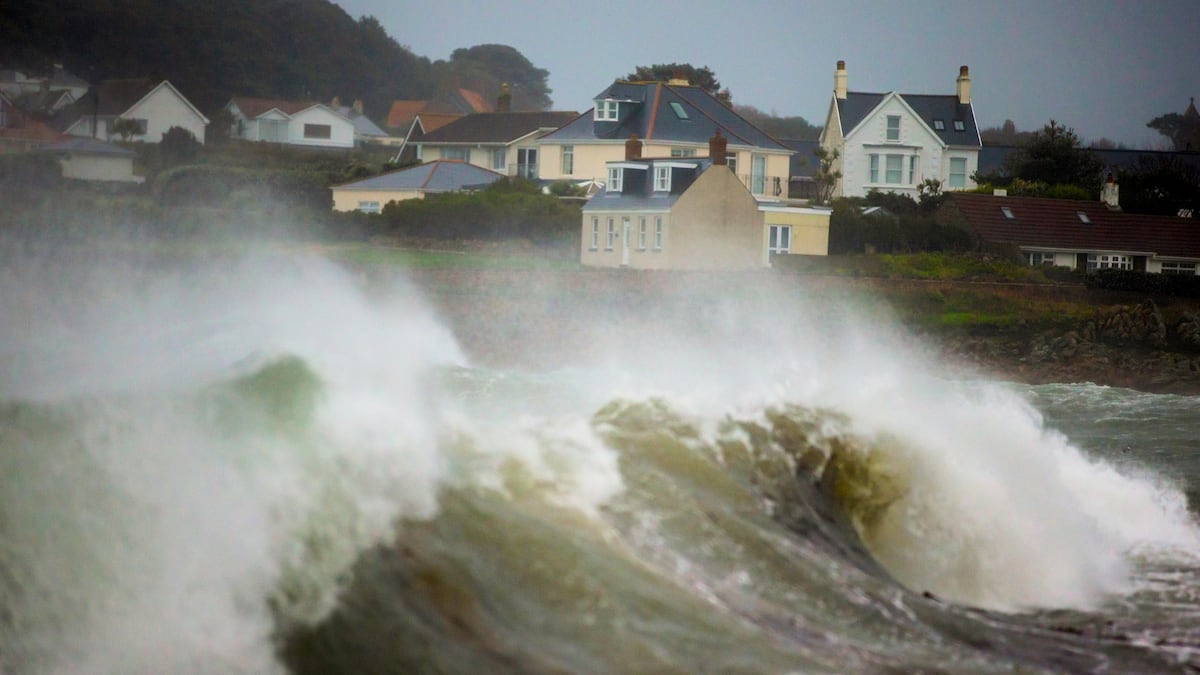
(271, 465)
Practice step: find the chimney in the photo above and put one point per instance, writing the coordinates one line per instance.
(504, 100)
(963, 85)
(335, 103)
(717, 148)
(839, 81)
(633, 147)
(358, 106)
(1110, 194)
(678, 79)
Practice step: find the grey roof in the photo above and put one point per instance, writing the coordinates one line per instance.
(639, 194)
(647, 111)
(497, 127)
(929, 107)
(86, 146)
(436, 176)
(803, 164)
(363, 125)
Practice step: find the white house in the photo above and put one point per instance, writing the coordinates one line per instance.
(153, 106)
(304, 123)
(93, 160)
(893, 142)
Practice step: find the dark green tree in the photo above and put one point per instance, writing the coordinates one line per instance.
(483, 68)
(1160, 185)
(702, 77)
(1054, 157)
(178, 146)
(1183, 130)
(780, 127)
(826, 177)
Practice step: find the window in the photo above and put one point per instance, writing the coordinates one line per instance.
(1083, 218)
(683, 152)
(912, 170)
(458, 154)
(499, 157)
(272, 131)
(959, 126)
(779, 240)
(614, 179)
(939, 125)
(568, 160)
(612, 235)
(874, 169)
(1008, 214)
(606, 110)
(679, 111)
(1179, 268)
(958, 172)
(420, 153)
(1037, 258)
(758, 174)
(893, 127)
(369, 207)
(731, 160)
(662, 179)
(895, 164)
(642, 234)
(595, 233)
(1097, 261)
(318, 131)
(658, 233)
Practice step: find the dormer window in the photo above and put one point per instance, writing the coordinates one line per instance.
(893, 127)
(939, 125)
(614, 178)
(662, 179)
(959, 125)
(606, 110)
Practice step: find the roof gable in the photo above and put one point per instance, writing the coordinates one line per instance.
(1055, 224)
(253, 108)
(853, 110)
(436, 176)
(503, 127)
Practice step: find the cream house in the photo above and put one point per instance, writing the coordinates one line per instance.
(153, 107)
(893, 142)
(691, 213)
(669, 119)
(501, 141)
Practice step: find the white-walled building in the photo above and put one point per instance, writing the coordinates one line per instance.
(304, 123)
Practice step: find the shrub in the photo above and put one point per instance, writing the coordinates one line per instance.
(1145, 282)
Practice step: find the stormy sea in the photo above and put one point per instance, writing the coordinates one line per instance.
(271, 464)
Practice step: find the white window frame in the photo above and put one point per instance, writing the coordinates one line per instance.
(611, 238)
(662, 179)
(1179, 267)
(912, 169)
(499, 159)
(683, 152)
(892, 133)
(1039, 258)
(460, 154)
(322, 132)
(595, 233)
(960, 125)
(568, 160)
(641, 245)
(893, 169)
(779, 239)
(961, 182)
(658, 233)
(273, 131)
(606, 110)
(731, 161)
(369, 207)
(873, 168)
(758, 174)
(1105, 261)
(614, 178)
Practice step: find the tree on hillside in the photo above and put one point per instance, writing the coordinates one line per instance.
(1005, 134)
(702, 77)
(1054, 157)
(780, 127)
(484, 68)
(1160, 185)
(1183, 130)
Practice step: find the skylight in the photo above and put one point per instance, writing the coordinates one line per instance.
(959, 126)
(1008, 213)
(939, 125)
(679, 111)
(1083, 218)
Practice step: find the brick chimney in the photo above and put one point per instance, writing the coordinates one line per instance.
(717, 148)
(1110, 194)
(504, 100)
(963, 85)
(839, 81)
(633, 147)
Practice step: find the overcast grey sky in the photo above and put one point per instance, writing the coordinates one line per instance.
(1103, 67)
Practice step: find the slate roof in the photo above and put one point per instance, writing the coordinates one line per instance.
(86, 146)
(436, 176)
(253, 107)
(363, 125)
(501, 127)
(1055, 224)
(857, 105)
(639, 195)
(654, 118)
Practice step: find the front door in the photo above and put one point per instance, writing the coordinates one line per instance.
(625, 241)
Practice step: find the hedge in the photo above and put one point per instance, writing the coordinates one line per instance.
(1144, 282)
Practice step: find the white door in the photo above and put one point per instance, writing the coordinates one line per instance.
(625, 241)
